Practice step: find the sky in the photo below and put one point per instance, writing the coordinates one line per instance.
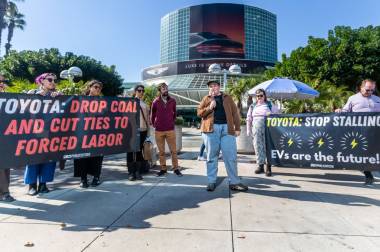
(126, 33)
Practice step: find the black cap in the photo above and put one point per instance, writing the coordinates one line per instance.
(213, 81)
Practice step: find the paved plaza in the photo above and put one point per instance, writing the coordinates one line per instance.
(295, 210)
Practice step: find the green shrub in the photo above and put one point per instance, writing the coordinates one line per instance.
(179, 121)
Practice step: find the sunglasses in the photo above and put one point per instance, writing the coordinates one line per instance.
(140, 90)
(97, 87)
(260, 95)
(51, 80)
(4, 81)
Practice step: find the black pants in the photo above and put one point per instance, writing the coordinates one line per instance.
(134, 157)
(91, 165)
(368, 174)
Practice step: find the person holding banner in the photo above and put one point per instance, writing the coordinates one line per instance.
(220, 126)
(90, 165)
(363, 101)
(135, 160)
(256, 128)
(5, 174)
(42, 172)
(162, 118)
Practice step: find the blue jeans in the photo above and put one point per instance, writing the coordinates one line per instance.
(216, 141)
(41, 172)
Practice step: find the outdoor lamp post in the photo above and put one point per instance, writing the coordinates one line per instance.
(69, 75)
(217, 69)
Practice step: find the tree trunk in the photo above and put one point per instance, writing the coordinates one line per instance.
(3, 10)
(8, 45)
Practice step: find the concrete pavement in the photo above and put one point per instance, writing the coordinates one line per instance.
(295, 210)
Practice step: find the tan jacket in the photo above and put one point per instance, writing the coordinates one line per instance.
(207, 114)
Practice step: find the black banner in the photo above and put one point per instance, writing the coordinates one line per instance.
(36, 129)
(333, 141)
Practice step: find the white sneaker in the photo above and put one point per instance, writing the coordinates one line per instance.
(201, 158)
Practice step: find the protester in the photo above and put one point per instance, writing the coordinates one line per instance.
(363, 101)
(135, 160)
(4, 173)
(43, 172)
(163, 117)
(90, 165)
(220, 127)
(256, 128)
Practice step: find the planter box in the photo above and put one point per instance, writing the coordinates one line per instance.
(244, 142)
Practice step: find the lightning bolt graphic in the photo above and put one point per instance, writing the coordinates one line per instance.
(320, 143)
(354, 143)
(290, 141)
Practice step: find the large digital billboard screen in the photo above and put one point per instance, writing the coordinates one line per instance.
(201, 66)
(216, 31)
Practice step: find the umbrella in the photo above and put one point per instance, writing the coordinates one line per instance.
(285, 88)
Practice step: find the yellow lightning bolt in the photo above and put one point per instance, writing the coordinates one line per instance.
(320, 143)
(354, 143)
(290, 142)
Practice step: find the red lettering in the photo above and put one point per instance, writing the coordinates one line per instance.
(31, 147)
(44, 145)
(84, 106)
(114, 106)
(20, 146)
(102, 105)
(102, 140)
(75, 105)
(53, 126)
(54, 144)
(12, 128)
(119, 139)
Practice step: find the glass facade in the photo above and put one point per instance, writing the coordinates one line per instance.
(260, 34)
(260, 30)
(174, 37)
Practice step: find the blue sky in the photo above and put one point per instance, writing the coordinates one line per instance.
(126, 33)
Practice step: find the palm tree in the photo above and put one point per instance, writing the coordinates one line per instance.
(330, 98)
(3, 10)
(238, 89)
(14, 19)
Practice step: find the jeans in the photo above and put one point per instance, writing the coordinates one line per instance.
(216, 141)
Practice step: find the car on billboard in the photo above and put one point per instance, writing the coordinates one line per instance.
(214, 45)
(157, 71)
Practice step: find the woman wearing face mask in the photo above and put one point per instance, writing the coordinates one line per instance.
(42, 172)
(90, 165)
(135, 160)
(256, 128)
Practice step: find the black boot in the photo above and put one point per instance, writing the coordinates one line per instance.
(268, 171)
(95, 181)
(131, 171)
(84, 183)
(42, 188)
(260, 169)
(32, 190)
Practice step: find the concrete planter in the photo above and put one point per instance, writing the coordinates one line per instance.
(244, 142)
